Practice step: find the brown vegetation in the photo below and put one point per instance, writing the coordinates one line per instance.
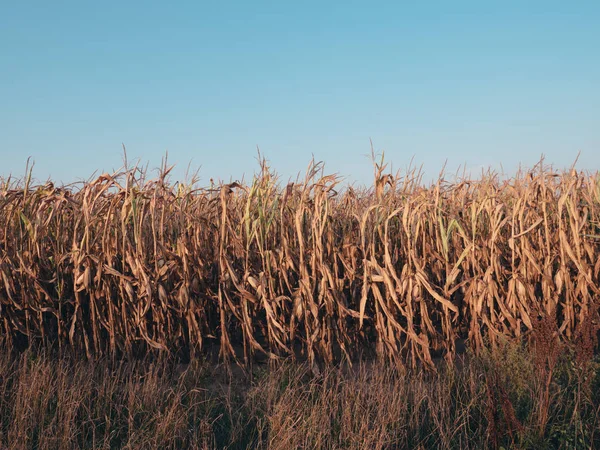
(493, 401)
(124, 265)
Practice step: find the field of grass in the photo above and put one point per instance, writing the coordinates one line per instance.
(315, 281)
(508, 398)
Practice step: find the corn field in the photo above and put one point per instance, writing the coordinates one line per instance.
(126, 265)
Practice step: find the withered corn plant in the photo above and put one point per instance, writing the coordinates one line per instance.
(123, 265)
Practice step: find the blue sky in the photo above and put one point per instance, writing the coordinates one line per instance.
(472, 83)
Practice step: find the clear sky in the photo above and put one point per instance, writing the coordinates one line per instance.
(478, 83)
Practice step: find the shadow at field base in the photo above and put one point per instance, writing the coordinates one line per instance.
(238, 366)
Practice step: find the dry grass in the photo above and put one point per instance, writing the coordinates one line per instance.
(126, 266)
(491, 401)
